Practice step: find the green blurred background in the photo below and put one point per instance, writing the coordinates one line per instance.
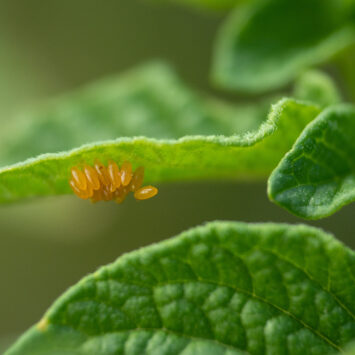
(47, 48)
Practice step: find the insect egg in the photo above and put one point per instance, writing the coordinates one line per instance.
(84, 194)
(121, 194)
(102, 173)
(79, 178)
(145, 192)
(97, 196)
(126, 173)
(92, 177)
(114, 175)
(137, 179)
(76, 190)
(101, 183)
(106, 192)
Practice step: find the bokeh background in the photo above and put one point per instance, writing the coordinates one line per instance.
(50, 47)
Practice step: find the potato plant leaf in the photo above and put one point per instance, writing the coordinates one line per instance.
(317, 177)
(148, 101)
(266, 45)
(224, 288)
(316, 86)
(252, 155)
(152, 102)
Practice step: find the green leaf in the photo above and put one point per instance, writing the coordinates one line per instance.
(318, 87)
(224, 288)
(350, 350)
(149, 101)
(317, 177)
(253, 155)
(268, 44)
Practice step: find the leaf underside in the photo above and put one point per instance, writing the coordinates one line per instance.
(183, 135)
(224, 288)
(317, 177)
(148, 101)
(250, 156)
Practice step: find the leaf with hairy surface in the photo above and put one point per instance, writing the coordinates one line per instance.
(248, 156)
(183, 135)
(317, 177)
(224, 288)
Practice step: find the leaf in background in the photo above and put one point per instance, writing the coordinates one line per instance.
(152, 102)
(268, 44)
(317, 177)
(225, 288)
(346, 64)
(149, 101)
(316, 86)
(15, 65)
(250, 156)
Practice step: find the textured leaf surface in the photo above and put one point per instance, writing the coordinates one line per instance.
(225, 288)
(317, 177)
(149, 101)
(253, 155)
(267, 44)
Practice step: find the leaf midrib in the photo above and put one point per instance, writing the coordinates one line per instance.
(104, 275)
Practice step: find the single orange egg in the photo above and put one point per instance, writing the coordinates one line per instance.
(79, 178)
(80, 193)
(126, 173)
(145, 192)
(102, 173)
(114, 175)
(137, 179)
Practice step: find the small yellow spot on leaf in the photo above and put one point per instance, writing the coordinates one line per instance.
(42, 325)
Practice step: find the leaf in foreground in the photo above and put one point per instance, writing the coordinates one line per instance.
(268, 44)
(253, 156)
(224, 288)
(317, 177)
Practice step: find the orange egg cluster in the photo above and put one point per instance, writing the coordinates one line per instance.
(101, 183)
